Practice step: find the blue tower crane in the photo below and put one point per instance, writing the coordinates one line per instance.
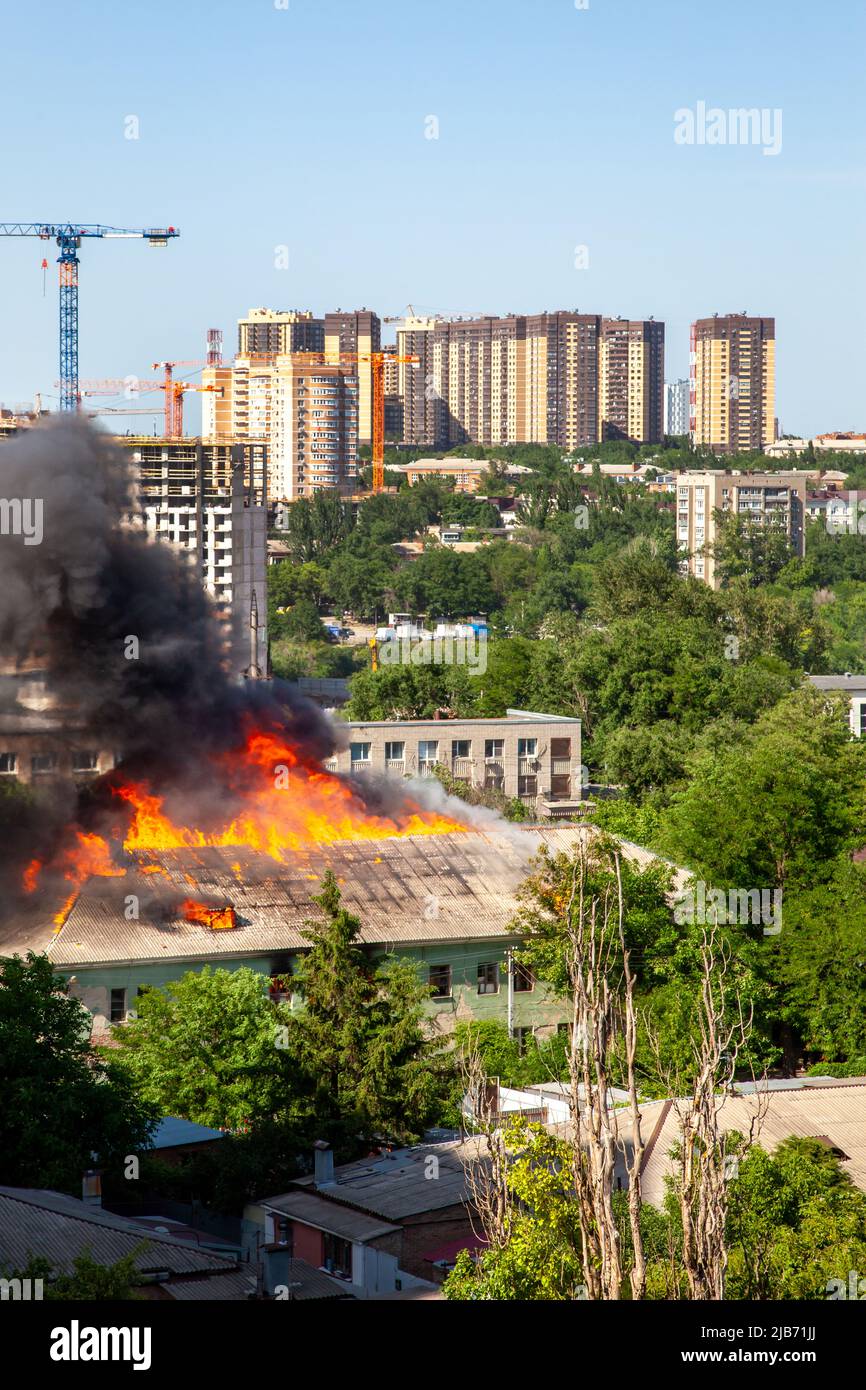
(69, 237)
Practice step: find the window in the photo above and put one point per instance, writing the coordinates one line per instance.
(493, 747)
(560, 786)
(338, 1256)
(9, 763)
(394, 752)
(560, 748)
(428, 754)
(117, 1010)
(527, 786)
(440, 981)
(524, 1038)
(526, 747)
(84, 761)
(360, 753)
(43, 762)
(280, 988)
(460, 748)
(488, 978)
(524, 980)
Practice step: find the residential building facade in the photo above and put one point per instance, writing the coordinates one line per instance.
(767, 499)
(549, 378)
(209, 499)
(733, 383)
(358, 332)
(274, 332)
(534, 757)
(631, 377)
(677, 407)
(305, 413)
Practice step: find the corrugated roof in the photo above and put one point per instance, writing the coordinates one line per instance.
(171, 1131)
(836, 1112)
(404, 889)
(234, 1287)
(36, 1222)
(325, 1215)
(403, 1183)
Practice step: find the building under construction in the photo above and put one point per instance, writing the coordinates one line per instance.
(209, 499)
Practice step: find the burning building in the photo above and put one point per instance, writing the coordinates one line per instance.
(446, 900)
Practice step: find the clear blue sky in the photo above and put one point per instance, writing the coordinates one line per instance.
(305, 126)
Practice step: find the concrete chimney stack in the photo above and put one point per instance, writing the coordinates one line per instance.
(324, 1160)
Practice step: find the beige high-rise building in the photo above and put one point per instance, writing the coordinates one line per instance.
(502, 380)
(307, 413)
(631, 380)
(768, 499)
(733, 383)
(357, 332)
(415, 381)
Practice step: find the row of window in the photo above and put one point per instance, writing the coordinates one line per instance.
(49, 762)
(428, 749)
(440, 979)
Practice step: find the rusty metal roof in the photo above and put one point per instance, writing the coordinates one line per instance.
(405, 890)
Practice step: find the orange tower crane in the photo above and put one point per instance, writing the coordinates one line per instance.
(377, 361)
(174, 395)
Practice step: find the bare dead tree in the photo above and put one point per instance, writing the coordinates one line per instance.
(604, 1033)
(706, 1155)
(490, 1200)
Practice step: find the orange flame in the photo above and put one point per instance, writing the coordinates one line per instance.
(288, 804)
(290, 807)
(217, 918)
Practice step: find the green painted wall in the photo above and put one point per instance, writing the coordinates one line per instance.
(536, 1008)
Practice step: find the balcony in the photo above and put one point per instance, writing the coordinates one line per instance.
(396, 766)
(462, 768)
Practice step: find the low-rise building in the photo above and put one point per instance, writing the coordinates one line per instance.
(40, 741)
(534, 757)
(855, 688)
(377, 1225)
(448, 902)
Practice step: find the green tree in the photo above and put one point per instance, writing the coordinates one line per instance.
(777, 804)
(748, 552)
(795, 1222)
(302, 622)
(205, 1048)
(362, 1037)
(59, 1101)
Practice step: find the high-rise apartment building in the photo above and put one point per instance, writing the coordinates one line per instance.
(415, 381)
(501, 380)
(733, 382)
(305, 412)
(765, 499)
(208, 499)
(677, 407)
(560, 378)
(357, 332)
(631, 380)
(278, 331)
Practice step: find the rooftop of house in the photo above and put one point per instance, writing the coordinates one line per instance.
(385, 1188)
(843, 682)
(172, 1132)
(823, 1108)
(39, 1222)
